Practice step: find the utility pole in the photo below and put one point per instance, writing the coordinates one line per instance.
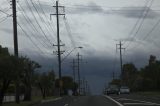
(73, 68)
(84, 86)
(79, 78)
(113, 75)
(59, 46)
(15, 38)
(121, 63)
(15, 27)
(74, 75)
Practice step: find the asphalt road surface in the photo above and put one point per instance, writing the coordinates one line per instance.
(93, 101)
(135, 100)
(81, 101)
(111, 100)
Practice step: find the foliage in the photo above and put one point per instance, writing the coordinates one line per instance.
(145, 79)
(68, 84)
(15, 70)
(116, 82)
(45, 82)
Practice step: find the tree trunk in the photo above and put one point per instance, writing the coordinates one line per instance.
(27, 95)
(2, 96)
(3, 90)
(17, 93)
(44, 93)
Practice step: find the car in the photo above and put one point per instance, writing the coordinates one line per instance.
(124, 90)
(112, 89)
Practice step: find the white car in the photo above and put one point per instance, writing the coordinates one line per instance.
(124, 90)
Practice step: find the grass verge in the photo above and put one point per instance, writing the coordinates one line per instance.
(35, 100)
(150, 93)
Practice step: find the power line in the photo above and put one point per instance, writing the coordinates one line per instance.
(32, 25)
(38, 48)
(30, 38)
(3, 19)
(42, 19)
(142, 22)
(42, 51)
(35, 37)
(69, 32)
(38, 23)
(154, 27)
(40, 5)
(149, 33)
(137, 22)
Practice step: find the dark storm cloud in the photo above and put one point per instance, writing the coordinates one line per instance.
(136, 12)
(98, 70)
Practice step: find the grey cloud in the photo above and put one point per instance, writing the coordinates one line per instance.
(7, 30)
(136, 12)
(48, 9)
(130, 12)
(128, 39)
(91, 7)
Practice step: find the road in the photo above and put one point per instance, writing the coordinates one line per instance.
(81, 101)
(112, 100)
(136, 100)
(93, 101)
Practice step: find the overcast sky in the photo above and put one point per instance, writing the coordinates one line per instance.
(96, 25)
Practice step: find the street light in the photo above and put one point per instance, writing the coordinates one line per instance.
(71, 52)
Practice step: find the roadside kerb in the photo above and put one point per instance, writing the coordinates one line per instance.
(51, 100)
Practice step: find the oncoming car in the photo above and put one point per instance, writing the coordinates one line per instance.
(112, 89)
(124, 90)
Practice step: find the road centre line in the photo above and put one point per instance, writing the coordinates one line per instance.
(119, 104)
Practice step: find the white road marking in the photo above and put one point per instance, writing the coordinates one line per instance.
(51, 100)
(146, 102)
(119, 104)
(121, 99)
(66, 105)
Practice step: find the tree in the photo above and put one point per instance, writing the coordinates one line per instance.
(27, 76)
(7, 72)
(116, 82)
(67, 84)
(129, 74)
(45, 82)
(15, 70)
(151, 73)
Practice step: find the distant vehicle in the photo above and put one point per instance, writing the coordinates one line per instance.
(112, 89)
(124, 90)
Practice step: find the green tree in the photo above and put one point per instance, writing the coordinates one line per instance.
(129, 74)
(45, 82)
(151, 73)
(67, 84)
(27, 77)
(115, 82)
(7, 72)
